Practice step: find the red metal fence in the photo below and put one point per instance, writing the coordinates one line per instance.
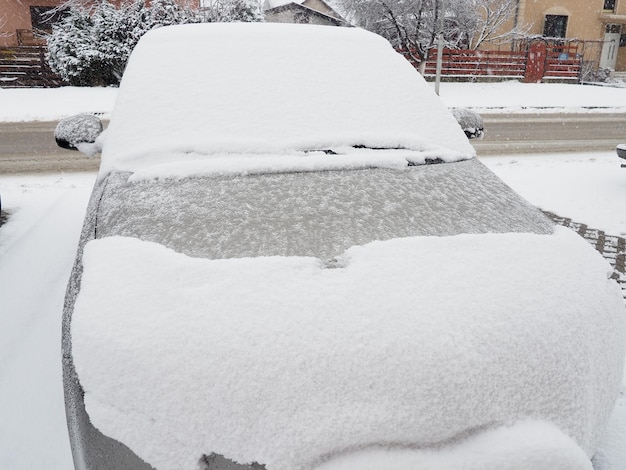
(563, 61)
(467, 63)
(534, 62)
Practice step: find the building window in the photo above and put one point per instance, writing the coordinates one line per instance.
(609, 5)
(613, 29)
(555, 26)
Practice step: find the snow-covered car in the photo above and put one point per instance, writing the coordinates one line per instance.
(284, 266)
(621, 152)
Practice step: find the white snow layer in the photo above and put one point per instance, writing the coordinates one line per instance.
(526, 445)
(515, 97)
(50, 104)
(414, 343)
(342, 158)
(208, 89)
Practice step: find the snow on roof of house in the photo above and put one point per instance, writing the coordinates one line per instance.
(207, 89)
(329, 15)
(269, 4)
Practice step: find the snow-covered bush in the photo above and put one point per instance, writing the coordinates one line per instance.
(90, 46)
(228, 11)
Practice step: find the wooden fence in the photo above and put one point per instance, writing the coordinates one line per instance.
(538, 61)
(26, 66)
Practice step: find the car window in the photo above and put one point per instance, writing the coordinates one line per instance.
(312, 213)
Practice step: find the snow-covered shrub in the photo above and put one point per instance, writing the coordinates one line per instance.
(228, 11)
(592, 73)
(90, 46)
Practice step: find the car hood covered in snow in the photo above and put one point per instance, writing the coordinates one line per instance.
(213, 89)
(414, 342)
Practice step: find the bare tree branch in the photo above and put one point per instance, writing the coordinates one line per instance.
(412, 24)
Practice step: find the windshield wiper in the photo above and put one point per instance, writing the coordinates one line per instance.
(428, 161)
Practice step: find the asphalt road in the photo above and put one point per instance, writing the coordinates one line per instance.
(541, 133)
(30, 146)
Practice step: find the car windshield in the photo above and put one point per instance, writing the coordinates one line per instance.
(314, 213)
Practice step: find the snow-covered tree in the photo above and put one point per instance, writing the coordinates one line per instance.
(413, 24)
(91, 44)
(407, 24)
(481, 21)
(231, 10)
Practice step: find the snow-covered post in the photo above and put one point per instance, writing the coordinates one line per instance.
(442, 14)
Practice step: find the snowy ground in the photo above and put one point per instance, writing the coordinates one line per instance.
(37, 246)
(515, 97)
(505, 97)
(49, 104)
(587, 187)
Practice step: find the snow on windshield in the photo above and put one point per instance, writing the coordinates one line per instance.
(283, 361)
(209, 89)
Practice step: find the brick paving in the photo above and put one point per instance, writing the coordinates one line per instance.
(611, 247)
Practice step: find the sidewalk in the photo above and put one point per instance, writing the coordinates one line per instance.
(613, 248)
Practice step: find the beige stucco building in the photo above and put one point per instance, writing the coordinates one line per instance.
(600, 25)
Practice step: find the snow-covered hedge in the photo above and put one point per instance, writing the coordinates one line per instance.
(90, 46)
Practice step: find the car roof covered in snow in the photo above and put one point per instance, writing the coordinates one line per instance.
(202, 90)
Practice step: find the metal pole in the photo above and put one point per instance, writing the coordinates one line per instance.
(515, 23)
(442, 15)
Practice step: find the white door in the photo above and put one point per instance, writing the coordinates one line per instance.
(608, 59)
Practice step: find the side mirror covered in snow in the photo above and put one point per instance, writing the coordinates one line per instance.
(72, 132)
(470, 121)
(621, 151)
